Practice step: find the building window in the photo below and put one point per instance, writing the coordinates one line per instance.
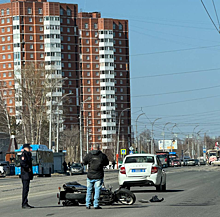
(61, 11)
(96, 41)
(4, 66)
(3, 30)
(41, 46)
(95, 26)
(68, 12)
(98, 121)
(40, 11)
(41, 56)
(41, 19)
(89, 106)
(120, 50)
(9, 74)
(87, 33)
(86, 25)
(8, 38)
(31, 37)
(114, 25)
(97, 89)
(2, 21)
(89, 89)
(96, 49)
(32, 55)
(70, 74)
(87, 41)
(68, 29)
(3, 57)
(87, 57)
(88, 73)
(69, 65)
(10, 110)
(71, 109)
(30, 19)
(119, 34)
(97, 73)
(10, 101)
(2, 12)
(68, 21)
(9, 65)
(97, 65)
(30, 28)
(8, 29)
(69, 47)
(41, 28)
(120, 66)
(89, 114)
(3, 47)
(9, 56)
(97, 81)
(68, 38)
(99, 137)
(121, 90)
(8, 11)
(88, 66)
(87, 49)
(41, 37)
(96, 57)
(29, 11)
(119, 42)
(120, 26)
(3, 38)
(69, 56)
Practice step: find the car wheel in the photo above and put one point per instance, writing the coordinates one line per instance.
(164, 187)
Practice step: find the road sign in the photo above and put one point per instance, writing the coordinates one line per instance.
(204, 150)
(131, 148)
(131, 152)
(123, 151)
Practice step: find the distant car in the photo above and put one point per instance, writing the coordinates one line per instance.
(176, 163)
(76, 168)
(142, 170)
(202, 162)
(191, 162)
(6, 167)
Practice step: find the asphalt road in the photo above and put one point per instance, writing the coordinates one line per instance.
(191, 191)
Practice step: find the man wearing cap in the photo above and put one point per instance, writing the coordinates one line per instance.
(26, 174)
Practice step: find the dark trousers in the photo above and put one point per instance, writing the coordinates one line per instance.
(25, 190)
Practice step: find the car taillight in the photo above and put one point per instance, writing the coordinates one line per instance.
(165, 159)
(154, 170)
(122, 170)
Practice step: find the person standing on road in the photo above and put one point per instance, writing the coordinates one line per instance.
(64, 166)
(26, 174)
(96, 160)
(113, 164)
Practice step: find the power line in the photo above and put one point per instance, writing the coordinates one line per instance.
(176, 92)
(216, 13)
(171, 51)
(189, 100)
(210, 16)
(176, 73)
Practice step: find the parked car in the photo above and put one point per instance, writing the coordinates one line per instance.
(76, 168)
(6, 167)
(176, 163)
(142, 170)
(215, 163)
(191, 162)
(202, 162)
(197, 162)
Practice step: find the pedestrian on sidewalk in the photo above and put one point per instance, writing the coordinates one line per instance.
(26, 174)
(96, 160)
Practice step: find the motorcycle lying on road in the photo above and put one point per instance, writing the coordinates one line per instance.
(75, 194)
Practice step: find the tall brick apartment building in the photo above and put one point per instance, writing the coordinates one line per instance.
(92, 52)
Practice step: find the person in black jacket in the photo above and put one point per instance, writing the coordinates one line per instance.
(96, 160)
(26, 174)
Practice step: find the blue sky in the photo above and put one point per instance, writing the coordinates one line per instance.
(159, 26)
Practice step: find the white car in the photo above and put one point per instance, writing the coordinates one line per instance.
(142, 170)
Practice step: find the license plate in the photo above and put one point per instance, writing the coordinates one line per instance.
(138, 170)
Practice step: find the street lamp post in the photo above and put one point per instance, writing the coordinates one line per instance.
(193, 141)
(173, 136)
(136, 129)
(80, 127)
(58, 118)
(164, 134)
(51, 104)
(119, 125)
(152, 147)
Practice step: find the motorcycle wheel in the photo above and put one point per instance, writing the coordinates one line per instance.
(125, 196)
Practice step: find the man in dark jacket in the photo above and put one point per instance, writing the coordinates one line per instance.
(96, 160)
(26, 174)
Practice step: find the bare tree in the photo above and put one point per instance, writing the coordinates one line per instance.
(69, 140)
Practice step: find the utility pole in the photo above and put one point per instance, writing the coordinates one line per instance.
(204, 154)
(87, 135)
(136, 129)
(50, 123)
(152, 145)
(188, 146)
(58, 123)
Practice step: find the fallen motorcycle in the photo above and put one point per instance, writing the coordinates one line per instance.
(75, 194)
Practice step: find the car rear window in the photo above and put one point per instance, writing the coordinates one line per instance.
(140, 159)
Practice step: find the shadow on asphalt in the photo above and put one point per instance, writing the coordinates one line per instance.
(43, 207)
(150, 191)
